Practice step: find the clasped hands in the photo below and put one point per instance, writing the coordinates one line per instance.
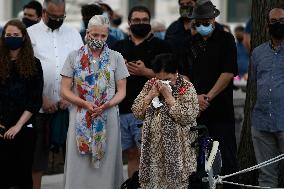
(136, 67)
(50, 107)
(95, 110)
(203, 101)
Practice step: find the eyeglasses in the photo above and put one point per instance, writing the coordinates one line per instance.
(197, 24)
(57, 18)
(274, 21)
(140, 21)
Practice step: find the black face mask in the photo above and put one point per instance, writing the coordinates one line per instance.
(140, 30)
(117, 21)
(185, 11)
(54, 24)
(14, 43)
(28, 22)
(276, 30)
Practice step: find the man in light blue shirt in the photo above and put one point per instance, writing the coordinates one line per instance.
(268, 112)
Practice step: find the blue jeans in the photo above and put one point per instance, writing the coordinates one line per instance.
(130, 132)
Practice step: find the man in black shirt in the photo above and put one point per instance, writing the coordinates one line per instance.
(138, 51)
(32, 13)
(214, 66)
(180, 30)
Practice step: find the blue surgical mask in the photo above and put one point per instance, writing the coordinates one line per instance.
(14, 43)
(205, 30)
(160, 35)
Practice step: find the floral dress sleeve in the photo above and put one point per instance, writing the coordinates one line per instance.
(137, 107)
(186, 108)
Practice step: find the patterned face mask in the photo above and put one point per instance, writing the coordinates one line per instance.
(185, 11)
(96, 44)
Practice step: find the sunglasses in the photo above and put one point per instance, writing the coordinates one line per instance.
(197, 24)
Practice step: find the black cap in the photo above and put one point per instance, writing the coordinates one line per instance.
(204, 10)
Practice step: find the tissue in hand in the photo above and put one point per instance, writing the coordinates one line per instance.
(167, 83)
(156, 102)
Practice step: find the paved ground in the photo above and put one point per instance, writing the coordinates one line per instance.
(52, 182)
(55, 181)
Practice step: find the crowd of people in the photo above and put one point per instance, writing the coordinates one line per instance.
(136, 94)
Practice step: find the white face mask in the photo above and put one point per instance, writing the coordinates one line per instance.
(95, 43)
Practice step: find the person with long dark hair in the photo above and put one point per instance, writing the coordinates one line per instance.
(21, 84)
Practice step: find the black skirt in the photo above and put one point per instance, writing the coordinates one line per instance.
(16, 158)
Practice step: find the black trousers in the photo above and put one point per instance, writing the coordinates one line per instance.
(224, 133)
(16, 157)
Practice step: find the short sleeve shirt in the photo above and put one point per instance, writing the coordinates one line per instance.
(146, 52)
(118, 68)
(211, 58)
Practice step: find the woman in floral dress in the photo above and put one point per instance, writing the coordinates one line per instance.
(94, 81)
(168, 105)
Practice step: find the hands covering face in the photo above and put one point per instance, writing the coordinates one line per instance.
(160, 88)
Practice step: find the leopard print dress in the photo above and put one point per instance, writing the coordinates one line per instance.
(167, 158)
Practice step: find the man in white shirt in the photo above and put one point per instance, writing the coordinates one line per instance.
(52, 41)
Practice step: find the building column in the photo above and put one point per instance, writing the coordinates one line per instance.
(5, 10)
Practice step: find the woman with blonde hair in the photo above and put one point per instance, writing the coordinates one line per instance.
(94, 81)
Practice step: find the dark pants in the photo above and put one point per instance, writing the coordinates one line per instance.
(51, 130)
(224, 133)
(16, 159)
(42, 143)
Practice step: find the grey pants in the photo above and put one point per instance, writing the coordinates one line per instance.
(268, 145)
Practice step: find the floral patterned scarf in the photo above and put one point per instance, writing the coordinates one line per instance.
(92, 80)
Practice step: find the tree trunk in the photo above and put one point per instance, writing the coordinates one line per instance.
(246, 156)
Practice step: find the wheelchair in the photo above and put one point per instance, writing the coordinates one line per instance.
(209, 163)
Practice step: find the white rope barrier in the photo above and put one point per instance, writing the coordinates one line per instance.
(263, 164)
(248, 186)
(220, 179)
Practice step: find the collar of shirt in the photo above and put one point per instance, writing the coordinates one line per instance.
(149, 38)
(278, 48)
